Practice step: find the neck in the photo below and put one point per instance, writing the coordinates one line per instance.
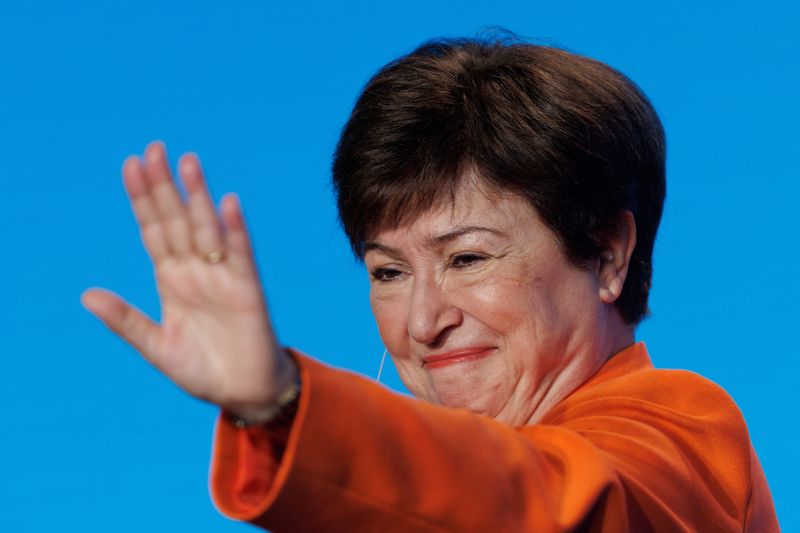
(615, 337)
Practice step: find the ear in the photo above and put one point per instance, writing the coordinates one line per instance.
(615, 258)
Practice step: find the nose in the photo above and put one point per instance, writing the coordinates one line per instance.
(431, 312)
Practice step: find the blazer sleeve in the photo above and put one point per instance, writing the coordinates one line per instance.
(361, 458)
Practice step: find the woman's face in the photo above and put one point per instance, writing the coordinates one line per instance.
(479, 308)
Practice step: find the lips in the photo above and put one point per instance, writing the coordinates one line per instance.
(456, 356)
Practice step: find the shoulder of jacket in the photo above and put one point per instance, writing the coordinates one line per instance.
(674, 393)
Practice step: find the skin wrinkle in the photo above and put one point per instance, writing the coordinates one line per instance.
(436, 240)
(550, 323)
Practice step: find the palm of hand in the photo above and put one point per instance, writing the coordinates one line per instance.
(215, 340)
(209, 317)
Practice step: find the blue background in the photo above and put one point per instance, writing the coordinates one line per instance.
(94, 439)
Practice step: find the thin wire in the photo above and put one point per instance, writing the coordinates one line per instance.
(380, 370)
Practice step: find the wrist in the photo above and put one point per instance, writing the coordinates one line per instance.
(280, 410)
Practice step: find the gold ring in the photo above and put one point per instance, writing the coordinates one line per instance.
(214, 257)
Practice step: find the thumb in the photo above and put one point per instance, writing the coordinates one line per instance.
(132, 325)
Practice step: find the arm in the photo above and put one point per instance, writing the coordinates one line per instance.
(620, 456)
(398, 464)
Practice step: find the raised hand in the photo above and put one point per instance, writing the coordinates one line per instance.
(215, 340)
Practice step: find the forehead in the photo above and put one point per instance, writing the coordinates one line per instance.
(471, 204)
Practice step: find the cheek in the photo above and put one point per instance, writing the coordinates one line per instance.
(390, 316)
(391, 321)
(527, 310)
(507, 301)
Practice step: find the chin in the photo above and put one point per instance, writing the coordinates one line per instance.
(477, 386)
(465, 399)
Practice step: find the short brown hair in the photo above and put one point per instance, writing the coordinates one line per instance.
(575, 137)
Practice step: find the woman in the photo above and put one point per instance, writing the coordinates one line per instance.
(505, 200)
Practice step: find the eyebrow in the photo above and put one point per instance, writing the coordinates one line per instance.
(437, 240)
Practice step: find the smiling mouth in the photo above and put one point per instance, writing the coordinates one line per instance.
(456, 356)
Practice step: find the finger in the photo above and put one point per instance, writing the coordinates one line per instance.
(206, 230)
(168, 201)
(237, 241)
(144, 209)
(132, 325)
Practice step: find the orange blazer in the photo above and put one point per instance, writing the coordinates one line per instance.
(633, 449)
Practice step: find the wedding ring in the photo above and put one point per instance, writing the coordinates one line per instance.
(214, 257)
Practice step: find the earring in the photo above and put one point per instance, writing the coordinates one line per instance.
(380, 370)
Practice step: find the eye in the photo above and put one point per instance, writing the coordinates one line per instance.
(385, 274)
(465, 260)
